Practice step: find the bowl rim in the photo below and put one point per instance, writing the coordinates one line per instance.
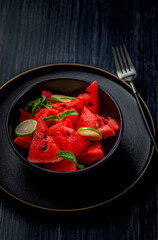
(79, 171)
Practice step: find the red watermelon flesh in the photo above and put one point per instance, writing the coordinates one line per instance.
(113, 124)
(25, 115)
(43, 147)
(91, 98)
(107, 126)
(72, 118)
(43, 150)
(66, 122)
(106, 131)
(46, 112)
(62, 166)
(101, 121)
(92, 154)
(41, 129)
(24, 141)
(77, 104)
(69, 139)
(69, 121)
(89, 119)
(48, 95)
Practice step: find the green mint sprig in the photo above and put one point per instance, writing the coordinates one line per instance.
(61, 116)
(69, 156)
(53, 117)
(67, 113)
(34, 106)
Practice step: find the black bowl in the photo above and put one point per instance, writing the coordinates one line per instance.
(71, 87)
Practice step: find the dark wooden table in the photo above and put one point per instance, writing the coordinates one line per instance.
(41, 32)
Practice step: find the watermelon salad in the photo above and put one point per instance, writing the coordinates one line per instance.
(63, 133)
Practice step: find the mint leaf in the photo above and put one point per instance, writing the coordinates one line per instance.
(53, 117)
(80, 166)
(48, 104)
(34, 106)
(69, 156)
(67, 113)
(43, 98)
(38, 101)
(33, 110)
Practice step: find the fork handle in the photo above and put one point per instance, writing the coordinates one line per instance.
(143, 115)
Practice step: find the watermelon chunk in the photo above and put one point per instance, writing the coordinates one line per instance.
(106, 131)
(76, 104)
(72, 118)
(68, 139)
(113, 124)
(91, 98)
(25, 115)
(92, 154)
(65, 122)
(41, 129)
(48, 95)
(46, 112)
(62, 166)
(43, 150)
(43, 147)
(24, 141)
(89, 119)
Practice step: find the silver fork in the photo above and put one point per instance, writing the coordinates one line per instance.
(126, 71)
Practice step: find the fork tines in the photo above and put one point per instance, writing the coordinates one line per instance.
(123, 56)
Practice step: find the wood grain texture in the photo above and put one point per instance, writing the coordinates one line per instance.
(39, 32)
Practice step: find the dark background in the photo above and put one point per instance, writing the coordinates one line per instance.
(41, 32)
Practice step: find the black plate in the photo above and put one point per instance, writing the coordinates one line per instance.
(118, 175)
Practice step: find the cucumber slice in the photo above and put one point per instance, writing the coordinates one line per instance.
(26, 127)
(62, 98)
(90, 133)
